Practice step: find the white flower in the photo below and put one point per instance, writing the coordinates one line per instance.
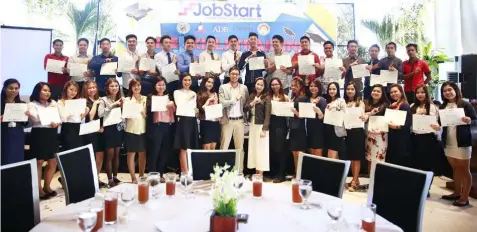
(224, 190)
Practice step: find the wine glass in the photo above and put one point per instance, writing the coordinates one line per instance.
(186, 182)
(334, 210)
(239, 179)
(305, 190)
(127, 196)
(87, 220)
(154, 179)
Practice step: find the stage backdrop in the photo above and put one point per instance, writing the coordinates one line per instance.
(221, 19)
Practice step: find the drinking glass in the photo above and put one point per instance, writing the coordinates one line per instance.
(154, 179)
(170, 184)
(257, 180)
(239, 180)
(368, 217)
(86, 220)
(334, 210)
(305, 188)
(186, 182)
(296, 198)
(142, 190)
(110, 207)
(127, 196)
(97, 207)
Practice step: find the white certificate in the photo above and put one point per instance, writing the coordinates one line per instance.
(214, 66)
(422, 123)
(113, 118)
(305, 110)
(213, 112)
(147, 64)
(186, 108)
(77, 70)
(452, 117)
(360, 71)
(75, 106)
(49, 115)
(159, 103)
(169, 72)
(132, 110)
(377, 79)
(195, 68)
(334, 117)
(126, 64)
(352, 118)
(391, 77)
(15, 112)
(109, 68)
(332, 68)
(397, 117)
(256, 63)
(55, 66)
(283, 60)
(89, 128)
(282, 109)
(306, 64)
(378, 124)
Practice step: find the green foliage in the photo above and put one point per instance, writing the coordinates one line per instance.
(226, 210)
(433, 57)
(83, 20)
(385, 30)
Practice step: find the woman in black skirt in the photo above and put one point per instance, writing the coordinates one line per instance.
(44, 138)
(334, 141)
(70, 126)
(135, 136)
(113, 134)
(90, 93)
(187, 134)
(297, 124)
(209, 128)
(314, 126)
(399, 139)
(355, 137)
(278, 131)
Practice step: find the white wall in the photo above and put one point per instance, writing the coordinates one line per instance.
(468, 9)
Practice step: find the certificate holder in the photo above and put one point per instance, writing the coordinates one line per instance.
(15, 112)
(397, 117)
(452, 117)
(305, 110)
(256, 63)
(306, 65)
(378, 124)
(89, 127)
(159, 103)
(213, 112)
(334, 117)
(282, 109)
(49, 115)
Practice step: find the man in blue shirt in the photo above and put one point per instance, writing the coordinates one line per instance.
(250, 76)
(186, 58)
(96, 63)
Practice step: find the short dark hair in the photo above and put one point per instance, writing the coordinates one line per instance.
(83, 39)
(188, 37)
(252, 34)
(157, 80)
(165, 37)
(104, 39)
(392, 43)
(57, 40)
(35, 94)
(278, 37)
(375, 46)
(210, 37)
(150, 37)
(131, 36)
(234, 68)
(351, 41)
(232, 37)
(412, 45)
(305, 37)
(329, 42)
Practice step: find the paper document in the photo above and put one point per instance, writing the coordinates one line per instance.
(256, 63)
(452, 117)
(77, 70)
(126, 64)
(168, 72)
(378, 124)
(352, 118)
(391, 77)
(213, 112)
(186, 108)
(334, 117)
(159, 103)
(132, 110)
(49, 115)
(147, 64)
(422, 123)
(306, 65)
(397, 117)
(113, 118)
(15, 112)
(214, 66)
(282, 109)
(89, 127)
(360, 71)
(109, 68)
(332, 68)
(305, 110)
(195, 68)
(283, 60)
(55, 66)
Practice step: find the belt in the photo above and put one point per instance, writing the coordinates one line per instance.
(237, 118)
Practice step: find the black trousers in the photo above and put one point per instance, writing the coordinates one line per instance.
(147, 86)
(159, 143)
(410, 96)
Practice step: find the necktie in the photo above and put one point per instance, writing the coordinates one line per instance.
(191, 57)
(212, 55)
(235, 56)
(169, 59)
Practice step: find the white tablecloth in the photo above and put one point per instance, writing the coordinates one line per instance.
(273, 212)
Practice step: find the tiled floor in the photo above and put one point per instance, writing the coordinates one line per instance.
(439, 215)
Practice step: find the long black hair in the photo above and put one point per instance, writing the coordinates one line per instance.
(382, 103)
(357, 95)
(459, 101)
(6, 83)
(35, 94)
(338, 95)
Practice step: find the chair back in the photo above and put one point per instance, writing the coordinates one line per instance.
(20, 196)
(404, 206)
(79, 173)
(328, 175)
(201, 162)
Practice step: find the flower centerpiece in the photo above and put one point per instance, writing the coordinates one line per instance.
(225, 197)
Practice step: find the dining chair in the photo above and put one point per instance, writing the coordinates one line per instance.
(20, 196)
(328, 176)
(201, 162)
(399, 194)
(79, 173)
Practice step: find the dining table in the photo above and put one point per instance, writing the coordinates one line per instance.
(273, 211)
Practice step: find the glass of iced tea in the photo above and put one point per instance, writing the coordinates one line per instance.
(170, 184)
(142, 190)
(110, 207)
(368, 217)
(296, 198)
(97, 207)
(257, 180)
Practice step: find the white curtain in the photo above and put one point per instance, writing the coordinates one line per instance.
(448, 27)
(468, 16)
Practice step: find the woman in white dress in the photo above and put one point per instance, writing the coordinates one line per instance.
(457, 141)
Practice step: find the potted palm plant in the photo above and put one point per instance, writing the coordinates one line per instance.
(433, 57)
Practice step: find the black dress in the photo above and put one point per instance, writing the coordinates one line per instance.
(209, 131)
(298, 129)
(399, 141)
(70, 137)
(315, 128)
(187, 134)
(44, 143)
(96, 139)
(355, 143)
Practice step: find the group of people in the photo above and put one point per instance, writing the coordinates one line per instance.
(156, 134)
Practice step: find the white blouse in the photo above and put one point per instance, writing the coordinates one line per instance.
(34, 107)
(434, 111)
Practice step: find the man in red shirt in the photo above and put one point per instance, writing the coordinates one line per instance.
(305, 50)
(414, 70)
(56, 80)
